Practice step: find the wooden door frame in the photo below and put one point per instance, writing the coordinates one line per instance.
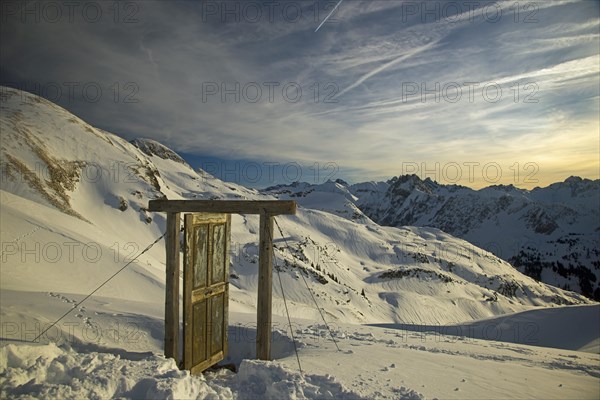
(267, 209)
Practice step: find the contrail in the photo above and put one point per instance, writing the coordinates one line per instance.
(327, 17)
(385, 66)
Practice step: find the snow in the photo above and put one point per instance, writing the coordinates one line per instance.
(440, 317)
(52, 372)
(61, 372)
(392, 363)
(558, 224)
(440, 366)
(330, 196)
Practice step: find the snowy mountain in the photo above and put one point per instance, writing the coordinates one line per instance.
(333, 197)
(551, 234)
(74, 211)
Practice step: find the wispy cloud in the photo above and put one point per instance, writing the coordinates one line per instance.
(357, 77)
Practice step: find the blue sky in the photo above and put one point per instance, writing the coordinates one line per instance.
(475, 93)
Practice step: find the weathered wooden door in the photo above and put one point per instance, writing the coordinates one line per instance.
(205, 290)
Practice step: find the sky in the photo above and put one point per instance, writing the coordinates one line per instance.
(265, 92)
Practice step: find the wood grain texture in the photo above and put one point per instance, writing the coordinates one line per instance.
(172, 287)
(265, 291)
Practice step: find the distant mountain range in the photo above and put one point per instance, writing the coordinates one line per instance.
(551, 234)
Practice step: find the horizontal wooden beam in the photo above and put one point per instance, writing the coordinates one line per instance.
(270, 207)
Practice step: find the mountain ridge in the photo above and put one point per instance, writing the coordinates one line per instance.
(550, 233)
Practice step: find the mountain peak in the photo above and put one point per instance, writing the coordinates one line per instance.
(509, 189)
(154, 148)
(573, 179)
(408, 183)
(400, 179)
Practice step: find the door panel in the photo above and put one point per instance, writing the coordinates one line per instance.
(199, 337)
(205, 290)
(217, 324)
(201, 255)
(218, 259)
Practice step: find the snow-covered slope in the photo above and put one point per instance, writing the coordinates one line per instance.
(333, 197)
(74, 213)
(551, 234)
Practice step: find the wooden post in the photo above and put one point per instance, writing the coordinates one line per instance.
(265, 283)
(172, 289)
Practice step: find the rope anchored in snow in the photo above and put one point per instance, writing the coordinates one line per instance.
(287, 312)
(307, 287)
(98, 288)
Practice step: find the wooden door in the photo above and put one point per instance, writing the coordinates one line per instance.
(205, 290)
